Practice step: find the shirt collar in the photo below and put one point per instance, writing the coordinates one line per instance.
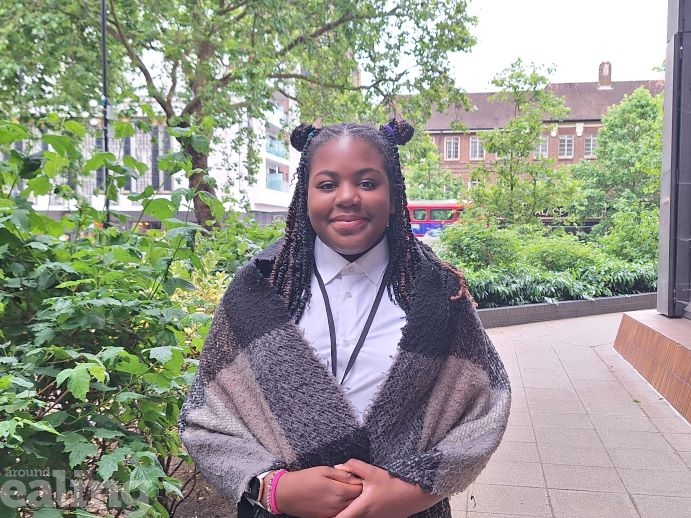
(330, 263)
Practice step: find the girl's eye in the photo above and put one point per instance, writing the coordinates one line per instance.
(326, 186)
(368, 184)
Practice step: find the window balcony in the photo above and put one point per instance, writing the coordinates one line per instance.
(276, 148)
(276, 182)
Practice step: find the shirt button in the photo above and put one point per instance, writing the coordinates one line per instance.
(349, 269)
(346, 342)
(348, 295)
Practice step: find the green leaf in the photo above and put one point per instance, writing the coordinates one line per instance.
(11, 132)
(80, 452)
(146, 478)
(172, 284)
(161, 354)
(108, 464)
(98, 160)
(78, 380)
(105, 433)
(135, 164)
(146, 193)
(39, 186)
(42, 426)
(47, 512)
(159, 208)
(76, 128)
(108, 353)
(123, 129)
(200, 144)
(63, 145)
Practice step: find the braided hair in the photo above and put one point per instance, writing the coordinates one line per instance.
(292, 271)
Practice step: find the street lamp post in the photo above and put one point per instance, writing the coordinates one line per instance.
(105, 104)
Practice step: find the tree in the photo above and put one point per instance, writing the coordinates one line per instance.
(424, 177)
(629, 155)
(516, 187)
(224, 60)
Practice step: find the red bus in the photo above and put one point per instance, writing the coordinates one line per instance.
(426, 216)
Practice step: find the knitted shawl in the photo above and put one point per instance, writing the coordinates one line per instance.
(262, 400)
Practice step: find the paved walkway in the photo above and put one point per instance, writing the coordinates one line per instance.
(587, 435)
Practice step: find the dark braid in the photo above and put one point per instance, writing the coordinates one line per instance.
(292, 271)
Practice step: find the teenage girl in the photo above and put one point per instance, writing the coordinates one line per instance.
(346, 373)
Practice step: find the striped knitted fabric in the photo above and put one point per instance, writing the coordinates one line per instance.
(262, 400)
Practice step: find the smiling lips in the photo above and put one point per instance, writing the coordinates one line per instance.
(348, 222)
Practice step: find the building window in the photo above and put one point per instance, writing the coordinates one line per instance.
(276, 147)
(566, 146)
(589, 146)
(477, 150)
(275, 180)
(542, 149)
(452, 148)
(472, 184)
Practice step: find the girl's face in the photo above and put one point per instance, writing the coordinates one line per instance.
(348, 195)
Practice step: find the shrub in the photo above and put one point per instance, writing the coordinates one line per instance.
(633, 235)
(97, 350)
(559, 252)
(476, 244)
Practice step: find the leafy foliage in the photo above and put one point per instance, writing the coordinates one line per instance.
(227, 61)
(100, 328)
(425, 179)
(629, 156)
(633, 235)
(524, 264)
(515, 188)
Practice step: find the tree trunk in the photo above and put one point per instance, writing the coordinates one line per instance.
(202, 212)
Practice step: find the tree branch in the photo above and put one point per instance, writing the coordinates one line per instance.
(173, 82)
(119, 34)
(330, 26)
(312, 80)
(223, 10)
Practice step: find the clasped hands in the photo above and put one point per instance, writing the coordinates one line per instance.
(354, 489)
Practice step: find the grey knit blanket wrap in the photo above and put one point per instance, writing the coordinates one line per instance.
(262, 399)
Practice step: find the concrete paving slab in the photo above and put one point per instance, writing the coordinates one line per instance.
(509, 500)
(666, 506)
(571, 504)
(636, 458)
(516, 452)
(583, 478)
(656, 482)
(574, 456)
(623, 422)
(629, 439)
(588, 436)
(561, 420)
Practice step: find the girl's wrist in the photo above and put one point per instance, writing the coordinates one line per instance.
(268, 497)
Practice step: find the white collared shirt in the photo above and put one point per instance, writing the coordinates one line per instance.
(352, 288)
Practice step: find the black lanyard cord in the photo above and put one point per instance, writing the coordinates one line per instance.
(332, 327)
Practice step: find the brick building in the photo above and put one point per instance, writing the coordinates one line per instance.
(567, 141)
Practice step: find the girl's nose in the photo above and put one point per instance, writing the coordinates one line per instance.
(347, 195)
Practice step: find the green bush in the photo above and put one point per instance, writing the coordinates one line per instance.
(526, 264)
(240, 239)
(96, 348)
(560, 252)
(633, 235)
(477, 244)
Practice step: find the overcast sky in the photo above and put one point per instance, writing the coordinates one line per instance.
(574, 37)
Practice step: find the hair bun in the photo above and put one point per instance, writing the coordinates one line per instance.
(301, 135)
(403, 131)
(400, 131)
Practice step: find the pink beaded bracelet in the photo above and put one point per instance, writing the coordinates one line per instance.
(273, 508)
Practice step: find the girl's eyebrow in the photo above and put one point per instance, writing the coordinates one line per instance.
(359, 172)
